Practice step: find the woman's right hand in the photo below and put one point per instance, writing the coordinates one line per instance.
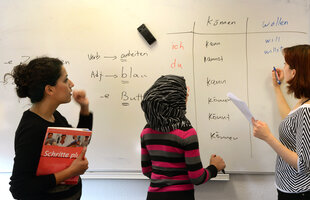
(218, 162)
(280, 77)
(79, 165)
(261, 130)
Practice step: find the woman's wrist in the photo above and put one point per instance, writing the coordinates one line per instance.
(84, 110)
(277, 87)
(63, 175)
(269, 138)
(277, 90)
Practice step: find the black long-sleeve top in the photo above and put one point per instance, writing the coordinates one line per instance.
(29, 139)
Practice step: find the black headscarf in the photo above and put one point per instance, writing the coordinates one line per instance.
(164, 104)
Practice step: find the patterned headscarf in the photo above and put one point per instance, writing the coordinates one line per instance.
(164, 104)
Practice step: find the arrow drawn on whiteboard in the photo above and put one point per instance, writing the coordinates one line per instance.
(114, 57)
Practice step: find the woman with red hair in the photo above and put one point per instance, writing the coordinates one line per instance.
(292, 173)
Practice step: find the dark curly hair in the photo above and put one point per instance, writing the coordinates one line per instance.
(30, 79)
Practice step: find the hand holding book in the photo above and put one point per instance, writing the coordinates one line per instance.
(80, 164)
(77, 168)
(65, 156)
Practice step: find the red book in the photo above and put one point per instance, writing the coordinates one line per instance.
(60, 147)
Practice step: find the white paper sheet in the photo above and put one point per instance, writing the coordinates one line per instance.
(241, 105)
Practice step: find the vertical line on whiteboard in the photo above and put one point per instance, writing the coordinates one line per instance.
(194, 81)
(247, 79)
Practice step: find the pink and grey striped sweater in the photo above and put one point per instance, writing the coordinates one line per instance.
(172, 160)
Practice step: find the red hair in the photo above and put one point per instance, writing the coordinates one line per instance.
(298, 58)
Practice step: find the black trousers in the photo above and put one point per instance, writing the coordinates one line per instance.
(293, 196)
(180, 195)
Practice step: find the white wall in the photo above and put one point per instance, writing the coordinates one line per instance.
(239, 187)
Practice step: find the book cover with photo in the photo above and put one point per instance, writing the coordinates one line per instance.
(60, 147)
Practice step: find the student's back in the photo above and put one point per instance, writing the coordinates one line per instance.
(169, 144)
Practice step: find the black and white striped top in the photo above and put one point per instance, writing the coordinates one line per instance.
(294, 133)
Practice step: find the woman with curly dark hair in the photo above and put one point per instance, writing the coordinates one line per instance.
(45, 82)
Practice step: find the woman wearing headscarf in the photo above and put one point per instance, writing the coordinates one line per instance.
(169, 143)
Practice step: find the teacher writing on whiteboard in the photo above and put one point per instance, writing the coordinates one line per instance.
(292, 173)
(169, 144)
(45, 82)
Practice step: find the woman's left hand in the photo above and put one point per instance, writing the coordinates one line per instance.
(260, 130)
(80, 97)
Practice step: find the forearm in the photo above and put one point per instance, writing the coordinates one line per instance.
(25, 186)
(147, 172)
(86, 121)
(196, 173)
(212, 171)
(287, 155)
(283, 106)
(63, 175)
(146, 168)
(146, 163)
(84, 110)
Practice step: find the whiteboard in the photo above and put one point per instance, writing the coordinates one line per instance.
(218, 46)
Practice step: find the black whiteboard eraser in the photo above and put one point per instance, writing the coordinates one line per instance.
(144, 31)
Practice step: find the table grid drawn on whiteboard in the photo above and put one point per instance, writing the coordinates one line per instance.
(246, 57)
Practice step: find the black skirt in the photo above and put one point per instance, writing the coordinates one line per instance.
(293, 196)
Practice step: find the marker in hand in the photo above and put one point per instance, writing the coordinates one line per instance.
(277, 77)
(222, 169)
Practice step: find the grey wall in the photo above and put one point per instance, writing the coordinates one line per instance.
(239, 187)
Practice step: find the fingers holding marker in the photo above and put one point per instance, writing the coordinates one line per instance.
(218, 162)
(276, 75)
